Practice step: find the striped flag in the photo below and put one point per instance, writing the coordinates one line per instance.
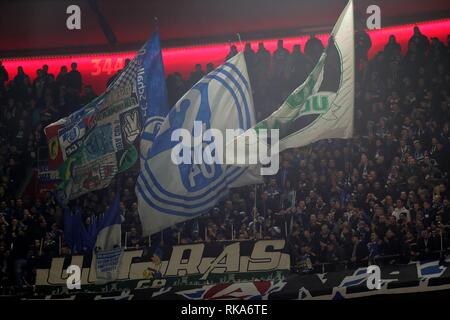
(170, 193)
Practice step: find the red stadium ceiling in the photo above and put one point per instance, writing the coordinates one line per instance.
(33, 26)
(98, 68)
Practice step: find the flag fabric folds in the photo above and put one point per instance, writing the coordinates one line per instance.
(93, 144)
(321, 107)
(109, 227)
(102, 236)
(108, 250)
(79, 238)
(170, 193)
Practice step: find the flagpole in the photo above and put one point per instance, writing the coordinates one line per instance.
(126, 238)
(285, 229)
(292, 213)
(254, 216)
(240, 41)
(292, 223)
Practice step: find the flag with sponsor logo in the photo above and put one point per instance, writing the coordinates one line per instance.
(93, 144)
(169, 193)
(321, 107)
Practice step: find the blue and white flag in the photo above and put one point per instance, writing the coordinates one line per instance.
(77, 236)
(92, 145)
(108, 250)
(170, 193)
(427, 270)
(156, 95)
(109, 227)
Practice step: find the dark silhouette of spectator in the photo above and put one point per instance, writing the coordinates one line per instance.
(363, 43)
(175, 88)
(357, 252)
(48, 76)
(299, 64)
(4, 77)
(313, 49)
(209, 67)
(392, 47)
(61, 78)
(232, 53)
(262, 67)
(39, 84)
(117, 74)
(250, 56)
(196, 75)
(420, 41)
(280, 60)
(20, 82)
(74, 80)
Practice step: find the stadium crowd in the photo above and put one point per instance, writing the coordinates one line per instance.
(380, 197)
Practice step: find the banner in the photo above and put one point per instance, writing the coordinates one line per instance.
(108, 263)
(93, 144)
(169, 193)
(322, 107)
(415, 277)
(197, 263)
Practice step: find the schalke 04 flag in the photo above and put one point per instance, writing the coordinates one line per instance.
(93, 144)
(169, 193)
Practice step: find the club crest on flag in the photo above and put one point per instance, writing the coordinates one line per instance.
(220, 100)
(149, 133)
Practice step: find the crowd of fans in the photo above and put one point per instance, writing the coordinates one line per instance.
(380, 197)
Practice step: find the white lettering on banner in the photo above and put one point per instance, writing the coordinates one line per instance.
(141, 90)
(179, 266)
(261, 259)
(227, 261)
(151, 284)
(118, 143)
(185, 260)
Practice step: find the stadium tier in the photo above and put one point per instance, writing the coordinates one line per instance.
(92, 180)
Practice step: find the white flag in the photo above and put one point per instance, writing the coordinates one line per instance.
(169, 193)
(321, 107)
